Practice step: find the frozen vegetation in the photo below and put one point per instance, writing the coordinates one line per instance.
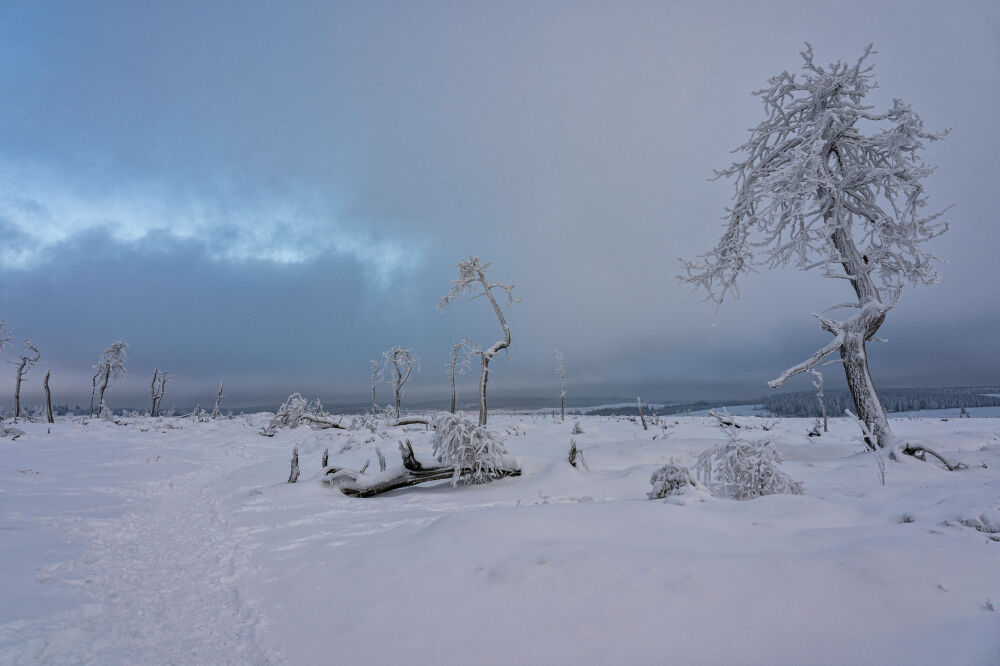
(176, 540)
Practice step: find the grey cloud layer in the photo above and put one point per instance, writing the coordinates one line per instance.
(279, 194)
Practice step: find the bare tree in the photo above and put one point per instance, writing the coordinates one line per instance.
(218, 401)
(815, 191)
(110, 367)
(472, 279)
(401, 361)
(157, 388)
(561, 371)
(461, 354)
(48, 398)
(28, 358)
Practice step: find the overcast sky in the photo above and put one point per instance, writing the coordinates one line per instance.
(270, 194)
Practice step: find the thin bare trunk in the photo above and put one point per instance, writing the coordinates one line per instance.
(453, 396)
(48, 398)
(218, 401)
(17, 388)
(152, 392)
(104, 387)
(489, 353)
(483, 378)
(375, 367)
(93, 391)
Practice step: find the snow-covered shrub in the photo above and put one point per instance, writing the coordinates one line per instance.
(294, 411)
(577, 430)
(744, 470)
(10, 431)
(671, 479)
(477, 454)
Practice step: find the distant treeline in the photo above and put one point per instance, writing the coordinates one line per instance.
(684, 408)
(804, 403)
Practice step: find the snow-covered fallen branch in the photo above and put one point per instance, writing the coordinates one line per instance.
(412, 472)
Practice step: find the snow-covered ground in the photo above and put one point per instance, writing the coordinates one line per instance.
(167, 541)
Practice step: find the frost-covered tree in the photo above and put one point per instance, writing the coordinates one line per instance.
(461, 355)
(401, 363)
(378, 370)
(110, 367)
(28, 358)
(824, 182)
(472, 279)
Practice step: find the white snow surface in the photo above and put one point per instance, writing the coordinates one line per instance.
(165, 541)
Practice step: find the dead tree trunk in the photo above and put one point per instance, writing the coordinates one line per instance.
(48, 399)
(93, 391)
(454, 396)
(152, 392)
(375, 374)
(218, 401)
(483, 378)
(104, 387)
(294, 475)
(17, 387)
(641, 416)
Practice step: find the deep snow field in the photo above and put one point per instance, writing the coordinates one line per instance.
(167, 541)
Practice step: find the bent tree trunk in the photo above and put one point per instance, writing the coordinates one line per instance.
(48, 399)
(850, 336)
(859, 330)
(859, 381)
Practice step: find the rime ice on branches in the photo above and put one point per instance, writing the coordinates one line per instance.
(826, 183)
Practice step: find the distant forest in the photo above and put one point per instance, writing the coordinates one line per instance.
(804, 403)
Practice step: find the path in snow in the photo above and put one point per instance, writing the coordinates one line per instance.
(162, 578)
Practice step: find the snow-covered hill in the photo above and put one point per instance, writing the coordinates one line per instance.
(167, 541)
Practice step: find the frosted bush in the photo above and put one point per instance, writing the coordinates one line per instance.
(671, 479)
(477, 454)
(745, 470)
(293, 411)
(10, 431)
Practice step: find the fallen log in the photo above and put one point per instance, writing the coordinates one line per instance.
(322, 423)
(412, 472)
(412, 420)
